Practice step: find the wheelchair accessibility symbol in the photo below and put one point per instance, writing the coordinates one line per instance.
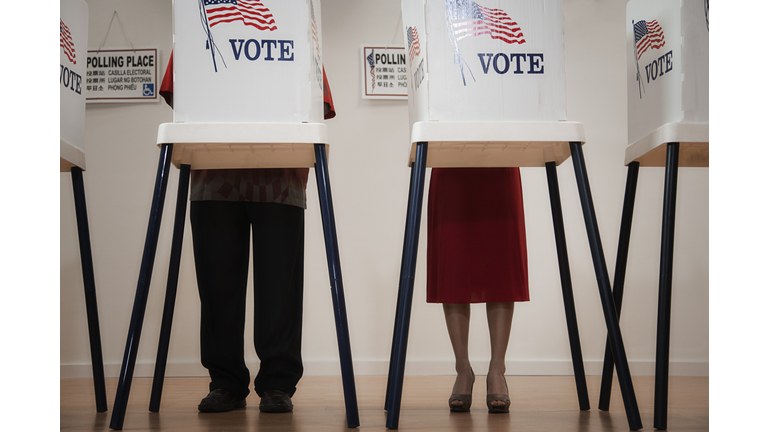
(149, 90)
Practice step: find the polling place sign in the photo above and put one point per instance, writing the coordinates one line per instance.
(384, 73)
(122, 76)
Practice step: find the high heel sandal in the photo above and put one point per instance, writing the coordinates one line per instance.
(489, 399)
(465, 399)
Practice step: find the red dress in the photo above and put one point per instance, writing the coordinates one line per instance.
(476, 249)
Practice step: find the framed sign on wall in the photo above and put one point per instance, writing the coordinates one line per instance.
(385, 75)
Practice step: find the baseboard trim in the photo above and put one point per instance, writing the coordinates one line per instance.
(380, 367)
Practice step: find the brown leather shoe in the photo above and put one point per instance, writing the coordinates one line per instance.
(220, 400)
(275, 401)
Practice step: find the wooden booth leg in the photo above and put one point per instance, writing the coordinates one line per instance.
(142, 290)
(89, 283)
(565, 281)
(405, 290)
(665, 288)
(170, 290)
(337, 287)
(604, 286)
(619, 277)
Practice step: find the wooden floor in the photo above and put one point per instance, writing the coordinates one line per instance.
(539, 403)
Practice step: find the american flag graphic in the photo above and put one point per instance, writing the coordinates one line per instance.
(250, 12)
(414, 48)
(314, 26)
(467, 18)
(65, 41)
(373, 75)
(648, 35)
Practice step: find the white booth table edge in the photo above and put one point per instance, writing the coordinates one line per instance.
(243, 145)
(651, 149)
(230, 146)
(496, 144)
(70, 156)
(672, 145)
(507, 144)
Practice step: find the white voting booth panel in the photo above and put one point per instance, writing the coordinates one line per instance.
(73, 51)
(499, 61)
(244, 65)
(492, 68)
(668, 80)
(247, 63)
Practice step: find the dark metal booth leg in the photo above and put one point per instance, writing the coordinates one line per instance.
(397, 307)
(170, 290)
(394, 337)
(604, 286)
(665, 288)
(619, 277)
(405, 290)
(337, 287)
(89, 283)
(142, 290)
(399, 289)
(565, 281)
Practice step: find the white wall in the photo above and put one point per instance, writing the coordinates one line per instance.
(369, 175)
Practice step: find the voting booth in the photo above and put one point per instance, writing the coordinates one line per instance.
(668, 126)
(486, 88)
(668, 80)
(252, 68)
(263, 67)
(73, 43)
(74, 48)
(504, 61)
(490, 64)
(247, 93)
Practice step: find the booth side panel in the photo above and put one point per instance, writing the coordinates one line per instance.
(416, 36)
(230, 67)
(72, 78)
(496, 61)
(695, 46)
(654, 66)
(314, 105)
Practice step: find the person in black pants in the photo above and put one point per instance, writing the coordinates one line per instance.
(226, 206)
(221, 241)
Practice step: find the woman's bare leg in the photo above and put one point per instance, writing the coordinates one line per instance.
(499, 326)
(457, 321)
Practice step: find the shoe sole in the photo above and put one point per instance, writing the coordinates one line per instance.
(221, 408)
(275, 408)
(498, 409)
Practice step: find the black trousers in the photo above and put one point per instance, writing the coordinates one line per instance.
(221, 234)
